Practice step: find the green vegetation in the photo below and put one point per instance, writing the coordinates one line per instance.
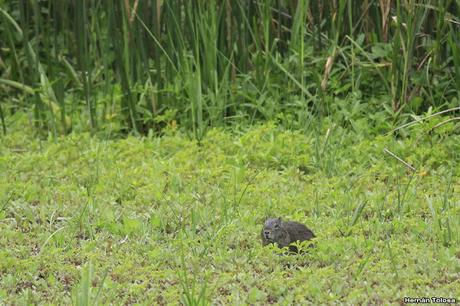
(143, 143)
(134, 66)
(156, 220)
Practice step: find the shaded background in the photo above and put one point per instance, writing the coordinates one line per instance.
(139, 66)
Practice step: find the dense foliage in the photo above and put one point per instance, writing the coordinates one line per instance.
(140, 65)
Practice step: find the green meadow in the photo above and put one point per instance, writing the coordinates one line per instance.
(153, 220)
(144, 143)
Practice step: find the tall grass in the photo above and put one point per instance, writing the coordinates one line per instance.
(94, 63)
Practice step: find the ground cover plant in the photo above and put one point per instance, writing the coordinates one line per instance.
(88, 219)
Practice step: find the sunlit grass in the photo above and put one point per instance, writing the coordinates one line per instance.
(161, 220)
